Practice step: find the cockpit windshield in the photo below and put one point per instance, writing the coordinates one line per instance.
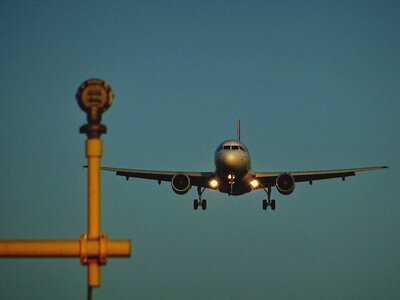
(231, 147)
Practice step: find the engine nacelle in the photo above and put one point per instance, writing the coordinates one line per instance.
(180, 184)
(285, 183)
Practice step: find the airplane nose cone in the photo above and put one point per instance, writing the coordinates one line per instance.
(231, 162)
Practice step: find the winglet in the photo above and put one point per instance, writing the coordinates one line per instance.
(238, 131)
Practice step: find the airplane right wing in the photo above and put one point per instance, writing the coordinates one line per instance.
(200, 179)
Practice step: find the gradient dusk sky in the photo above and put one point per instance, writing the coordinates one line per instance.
(315, 85)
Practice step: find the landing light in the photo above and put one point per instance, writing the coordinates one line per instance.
(254, 183)
(213, 183)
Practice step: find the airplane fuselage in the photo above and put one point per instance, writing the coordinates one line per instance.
(233, 167)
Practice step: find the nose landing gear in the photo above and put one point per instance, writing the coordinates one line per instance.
(200, 202)
(231, 178)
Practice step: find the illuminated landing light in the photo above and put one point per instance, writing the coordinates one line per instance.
(254, 183)
(213, 183)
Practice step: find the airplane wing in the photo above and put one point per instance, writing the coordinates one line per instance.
(200, 179)
(269, 178)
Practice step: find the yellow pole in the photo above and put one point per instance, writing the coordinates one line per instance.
(40, 248)
(93, 154)
(94, 97)
(86, 249)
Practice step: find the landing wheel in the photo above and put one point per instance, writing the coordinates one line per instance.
(200, 202)
(268, 203)
(204, 204)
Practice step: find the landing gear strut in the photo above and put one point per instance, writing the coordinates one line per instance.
(269, 202)
(200, 202)
(231, 178)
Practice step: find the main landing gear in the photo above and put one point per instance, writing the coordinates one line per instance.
(269, 202)
(200, 202)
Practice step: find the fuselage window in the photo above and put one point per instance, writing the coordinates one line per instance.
(226, 147)
(235, 147)
(241, 148)
(219, 148)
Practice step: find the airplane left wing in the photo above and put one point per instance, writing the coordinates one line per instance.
(200, 179)
(269, 178)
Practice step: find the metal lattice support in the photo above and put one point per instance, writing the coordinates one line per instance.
(94, 97)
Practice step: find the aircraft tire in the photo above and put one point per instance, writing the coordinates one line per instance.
(204, 204)
(265, 204)
(273, 204)
(195, 204)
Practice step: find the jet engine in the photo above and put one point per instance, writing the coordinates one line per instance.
(180, 184)
(285, 183)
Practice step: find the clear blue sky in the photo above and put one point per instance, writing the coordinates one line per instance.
(316, 86)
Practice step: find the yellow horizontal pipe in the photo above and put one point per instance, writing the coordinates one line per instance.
(61, 248)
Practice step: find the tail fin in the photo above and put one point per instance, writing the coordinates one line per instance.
(238, 131)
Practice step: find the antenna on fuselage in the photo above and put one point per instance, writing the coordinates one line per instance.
(238, 134)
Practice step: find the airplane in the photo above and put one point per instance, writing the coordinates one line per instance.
(233, 175)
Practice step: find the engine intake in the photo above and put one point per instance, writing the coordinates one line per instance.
(285, 183)
(180, 184)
